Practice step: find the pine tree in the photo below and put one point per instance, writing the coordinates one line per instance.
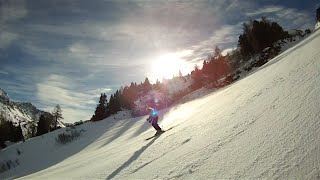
(205, 67)
(197, 78)
(32, 129)
(57, 115)
(146, 86)
(257, 35)
(217, 53)
(43, 125)
(117, 101)
(101, 110)
(180, 74)
(18, 135)
(112, 105)
(129, 95)
(157, 86)
(3, 131)
(8, 132)
(122, 101)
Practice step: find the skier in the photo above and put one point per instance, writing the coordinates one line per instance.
(153, 119)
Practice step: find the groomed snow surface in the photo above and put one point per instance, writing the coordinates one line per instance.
(266, 125)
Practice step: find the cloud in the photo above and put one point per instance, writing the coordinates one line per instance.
(288, 17)
(144, 29)
(78, 48)
(71, 115)
(62, 91)
(11, 10)
(4, 72)
(6, 38)
(225, 37)
(57, 89)
(226, 51)
(100, 90)
(294, 18)
(18, 91)
(264, 10)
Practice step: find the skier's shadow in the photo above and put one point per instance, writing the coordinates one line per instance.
(134, 157)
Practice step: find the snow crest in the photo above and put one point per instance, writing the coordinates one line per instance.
(4, 95)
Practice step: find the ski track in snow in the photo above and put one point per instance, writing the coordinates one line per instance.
(264, 126)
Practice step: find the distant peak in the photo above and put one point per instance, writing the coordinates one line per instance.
(4, 95)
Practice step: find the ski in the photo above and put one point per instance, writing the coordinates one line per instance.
(156, 135)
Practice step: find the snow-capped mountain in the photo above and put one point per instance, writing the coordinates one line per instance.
(3, 95)
(20, 112)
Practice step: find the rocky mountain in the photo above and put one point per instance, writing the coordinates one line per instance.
(21, 112)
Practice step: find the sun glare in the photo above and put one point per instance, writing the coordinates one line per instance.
(167, 66)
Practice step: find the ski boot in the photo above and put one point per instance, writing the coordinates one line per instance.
(159, 132)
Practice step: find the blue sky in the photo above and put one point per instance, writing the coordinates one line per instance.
(68, 52)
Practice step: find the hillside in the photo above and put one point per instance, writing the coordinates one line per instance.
(263, 126)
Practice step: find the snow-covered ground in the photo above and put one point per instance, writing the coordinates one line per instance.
(266, 125)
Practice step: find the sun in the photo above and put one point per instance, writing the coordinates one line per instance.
(167, 66)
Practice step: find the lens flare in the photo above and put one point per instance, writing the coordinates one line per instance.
(169, 65)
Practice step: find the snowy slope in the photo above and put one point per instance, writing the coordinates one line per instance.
(264, 126)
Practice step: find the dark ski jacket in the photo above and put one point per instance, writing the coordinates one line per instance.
(153, 116)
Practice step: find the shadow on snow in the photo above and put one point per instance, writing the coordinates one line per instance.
(134, 157)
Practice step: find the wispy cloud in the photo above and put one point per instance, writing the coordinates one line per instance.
(18, 91)
(226, 51)
(100, 90)
(294, 18)
(63, 91)
(6, 38)
(264, 10)
(287, 17)
(57, 89)
(10, 12)
(78, 48)
(225, 37)
(70, 114)
(4, 72)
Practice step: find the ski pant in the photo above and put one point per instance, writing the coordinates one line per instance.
(155, 124)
